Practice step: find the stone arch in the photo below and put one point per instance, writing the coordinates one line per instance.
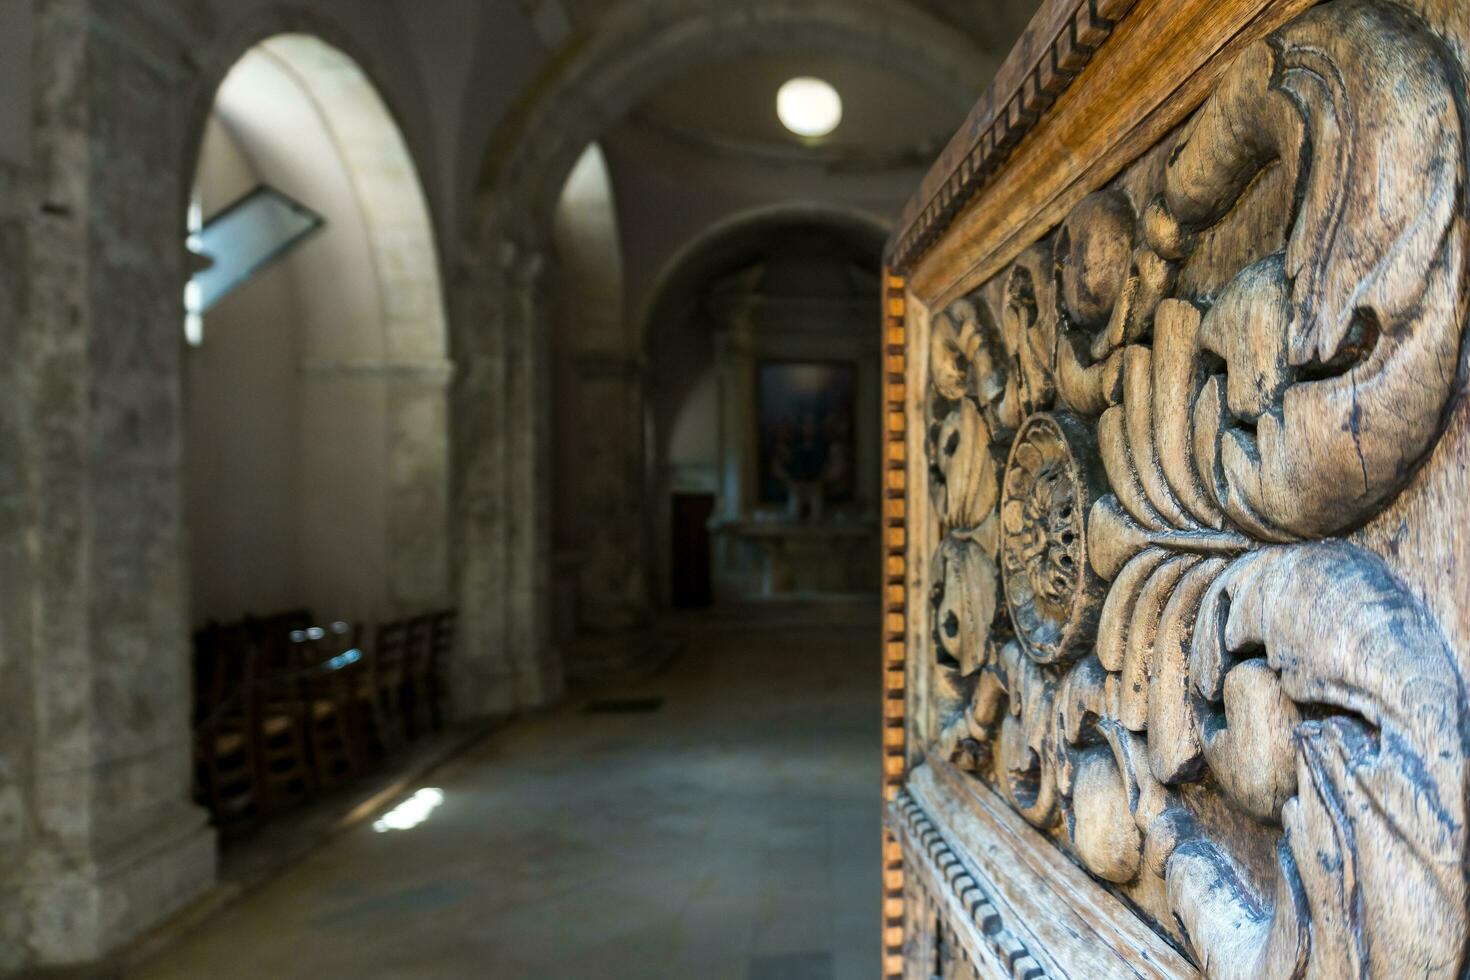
(222, 51)
(686, 262)
(710, 254)
(407, 355)
(644, 43)
(502, 516)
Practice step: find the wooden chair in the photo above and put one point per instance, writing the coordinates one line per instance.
(378, 690)
(419, 690)
(326, 681)
(440, 647)
(227, 771)
(281, 727)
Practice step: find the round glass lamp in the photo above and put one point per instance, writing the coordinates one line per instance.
(809, 107)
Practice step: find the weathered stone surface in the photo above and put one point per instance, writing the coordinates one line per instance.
(97, 837)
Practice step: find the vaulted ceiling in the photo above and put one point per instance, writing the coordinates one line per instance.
(991, 24)
(891, 117)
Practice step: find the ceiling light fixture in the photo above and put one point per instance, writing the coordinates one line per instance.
(809, 107)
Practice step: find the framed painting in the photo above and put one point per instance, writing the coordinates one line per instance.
(804, 415)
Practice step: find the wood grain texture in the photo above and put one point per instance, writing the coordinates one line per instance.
(963, 926)
(1189, 467)
(1017, 891)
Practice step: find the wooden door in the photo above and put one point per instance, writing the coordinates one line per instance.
(1178, 564)
(691, 586)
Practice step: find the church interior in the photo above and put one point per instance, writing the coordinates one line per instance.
(734, 489)
(441, 471)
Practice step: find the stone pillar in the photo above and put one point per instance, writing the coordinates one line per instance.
(735, 362)
(503, 659)
(739, 493)
(98, 839)
(478, 677)
(418, 491)
(537, 672)
(613, 592)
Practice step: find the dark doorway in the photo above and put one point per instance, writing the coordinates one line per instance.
(691, 585)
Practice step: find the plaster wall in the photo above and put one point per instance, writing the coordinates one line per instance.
(694, 433)
(286, 470)
(242, 405)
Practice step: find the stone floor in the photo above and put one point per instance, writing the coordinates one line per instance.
(731, 833)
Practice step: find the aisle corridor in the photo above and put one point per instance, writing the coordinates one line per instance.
(732, 832)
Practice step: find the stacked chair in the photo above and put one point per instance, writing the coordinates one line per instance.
(282, 750)
(379, 690)
(285, 708)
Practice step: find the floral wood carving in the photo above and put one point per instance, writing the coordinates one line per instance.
(1051, 591)
(1148, 439)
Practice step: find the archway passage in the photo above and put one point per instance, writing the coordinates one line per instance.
(764, 401)
(611, 85)
(316, 446)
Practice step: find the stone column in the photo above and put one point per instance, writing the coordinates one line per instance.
(739, 493)
(735, 362)
(98, 839)
(503, 659)
(478, 677)
(537, 668)
(613, 590)
(418, 492)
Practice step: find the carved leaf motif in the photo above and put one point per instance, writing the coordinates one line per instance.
(1029, 322)
(967, 356)
(962, 612)
(1249, 741)
(953, 343)
(1376, 836)
(1341, 353)
(1092, 254)
(1106, 791)
(964, 603)
(1024, 760)
(965, 483)
(1236, 671)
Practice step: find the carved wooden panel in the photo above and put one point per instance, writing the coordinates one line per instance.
(1192, 508)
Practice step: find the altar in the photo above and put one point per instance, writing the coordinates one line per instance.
(803, 558)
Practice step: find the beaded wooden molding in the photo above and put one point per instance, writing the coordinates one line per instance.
(895, 612)
(987, 896)
(1027, 83)
(958, 893)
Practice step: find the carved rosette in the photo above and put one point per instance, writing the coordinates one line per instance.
(1052, 593)
(1187, 642)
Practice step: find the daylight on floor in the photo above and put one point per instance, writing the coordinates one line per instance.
(734, 489)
